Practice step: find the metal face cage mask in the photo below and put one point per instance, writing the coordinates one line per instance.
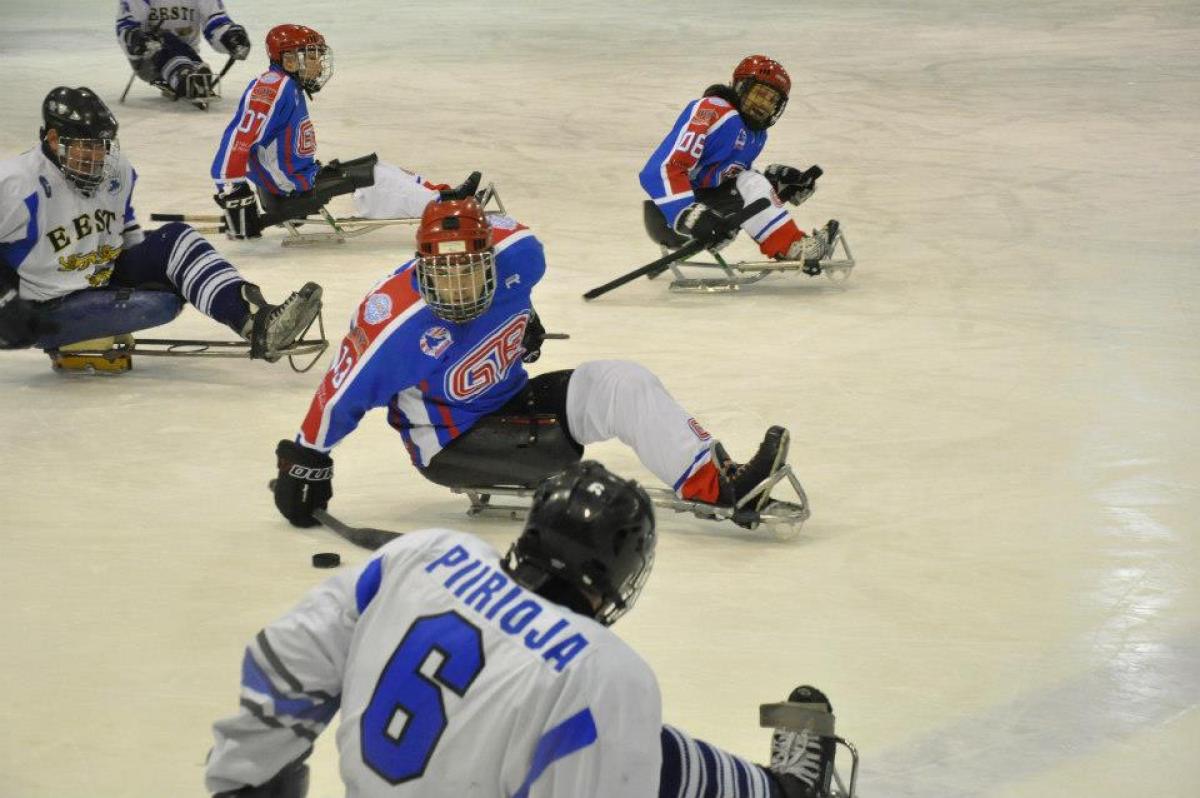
(456, 266)
(319, 54)
(87, 162)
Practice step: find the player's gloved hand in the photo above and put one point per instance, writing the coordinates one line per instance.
(305, 482)
(242, 218)
(141, 44)
(20, 325)
(791, 184)
(291, 782)
(702, 223)
(236, 42)
(531, 342)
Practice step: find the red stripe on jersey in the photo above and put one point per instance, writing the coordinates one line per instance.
(443, 410)
(263, 93)
(382, 305)
(690, 147)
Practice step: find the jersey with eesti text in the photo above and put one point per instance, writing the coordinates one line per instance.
(708, 145)
(187, 19)
(452, 681)
(58, 240)
(436, 377)
(271, 140)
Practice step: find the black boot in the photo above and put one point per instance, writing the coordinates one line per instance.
(801, 761)
(463, 191)
(270, 329)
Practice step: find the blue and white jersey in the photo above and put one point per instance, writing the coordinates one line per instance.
(187, 19)
(58, 240)
(271, 140)
(436, 377)
(708, 145)
(452, 681)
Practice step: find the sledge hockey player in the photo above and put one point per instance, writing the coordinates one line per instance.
(160, 37)
(69, 235)
(270, 144)
(704, 169)
(461, 672)
(442, 343)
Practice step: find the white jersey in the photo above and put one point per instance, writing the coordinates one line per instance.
(187, 19)
(452, 681)
(58, 240)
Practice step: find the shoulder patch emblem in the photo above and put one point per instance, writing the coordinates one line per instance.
(377, 308)
(435, 340)
(502, 222)
(269, 78)
(741, 140)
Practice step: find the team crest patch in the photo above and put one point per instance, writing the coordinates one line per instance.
(377, 308)
(269, 77)
(740, 143)
(435, 340)
(501, 222)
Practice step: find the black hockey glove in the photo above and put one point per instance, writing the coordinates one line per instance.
(291, 782)
(791, 184)
(236, 42)
(242, 219)
(305, 482)
(141, 44)
(531, 342)
(702, 223)
(20, 325)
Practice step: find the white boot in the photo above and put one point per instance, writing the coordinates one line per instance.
(814, 248)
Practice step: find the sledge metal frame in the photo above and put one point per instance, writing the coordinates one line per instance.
(179, 347)
(740, 273)
(783, 519)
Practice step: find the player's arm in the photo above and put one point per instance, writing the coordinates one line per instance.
(666, 177)
(136, 40)
(252, 124)
(131, 231)
(225, 35)
(290, 689)
(375, 361)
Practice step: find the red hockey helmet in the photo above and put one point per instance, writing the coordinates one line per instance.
(314, 59)
(456, 267)
(762, 86)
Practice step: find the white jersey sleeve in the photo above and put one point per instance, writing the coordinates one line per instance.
(291, 687)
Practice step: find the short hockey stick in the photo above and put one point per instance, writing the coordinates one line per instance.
(364, 536)
(129, 85)
(686, 251)
(224, 71)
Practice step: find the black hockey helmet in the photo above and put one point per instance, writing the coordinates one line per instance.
(588, 542)
(87, 134)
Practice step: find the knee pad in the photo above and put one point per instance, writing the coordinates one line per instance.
(102, 312)
(505, 451)
(753, 185)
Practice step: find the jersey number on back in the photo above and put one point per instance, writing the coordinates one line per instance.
(406, 716)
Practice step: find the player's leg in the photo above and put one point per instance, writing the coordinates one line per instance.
(620, 399)
(396, 194)
(182, 70)
(774, 230)
(175, 255)
(802, 760)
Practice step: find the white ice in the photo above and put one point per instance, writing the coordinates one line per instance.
(996, 420)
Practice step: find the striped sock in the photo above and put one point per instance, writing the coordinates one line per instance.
(206, 280)
(692, 768)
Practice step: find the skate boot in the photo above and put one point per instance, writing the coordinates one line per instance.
(194, 84)
(802, 758)
(738, 481)
(116, 359)
(813, 249)
(271, 329)
(464, 190)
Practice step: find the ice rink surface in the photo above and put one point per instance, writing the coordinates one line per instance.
(996, 419)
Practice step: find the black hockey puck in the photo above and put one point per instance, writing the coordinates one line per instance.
(326, 559)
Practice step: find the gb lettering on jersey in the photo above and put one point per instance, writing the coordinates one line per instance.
(489, 362)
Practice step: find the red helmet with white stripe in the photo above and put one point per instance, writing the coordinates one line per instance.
(762, 86)
(303, 54)
(456, 266)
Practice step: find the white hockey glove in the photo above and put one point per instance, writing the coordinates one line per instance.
(242, 219)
